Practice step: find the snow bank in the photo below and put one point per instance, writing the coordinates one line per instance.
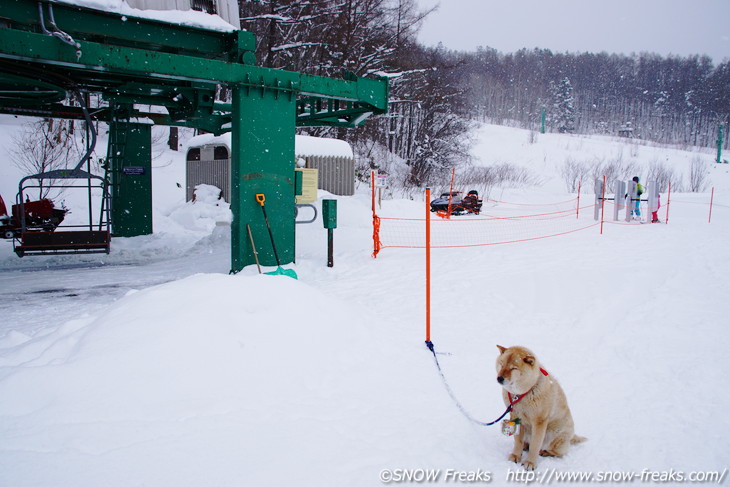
(205, 212)
(213, 379)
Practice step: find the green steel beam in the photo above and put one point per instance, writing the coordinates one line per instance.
(217, 123)
(85, 24)
(99, 63)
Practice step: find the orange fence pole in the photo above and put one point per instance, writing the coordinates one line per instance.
(451, 191)
(376, 220)
(428, 265)
(577, 204)
(372, 190)
(712, 197)
(669, 197)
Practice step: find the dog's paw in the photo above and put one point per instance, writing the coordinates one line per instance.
(529, 466)
(514, 458)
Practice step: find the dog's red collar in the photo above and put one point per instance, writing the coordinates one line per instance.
(519, 398)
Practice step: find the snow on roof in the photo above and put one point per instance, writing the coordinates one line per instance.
(304, 145)
(190, 18)
(320, 146)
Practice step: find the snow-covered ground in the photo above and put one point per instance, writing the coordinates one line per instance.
(153, 366)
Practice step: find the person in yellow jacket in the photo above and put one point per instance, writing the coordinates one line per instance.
(639, 191)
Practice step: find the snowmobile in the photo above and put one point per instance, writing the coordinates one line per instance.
(460, 205)
(40, 216)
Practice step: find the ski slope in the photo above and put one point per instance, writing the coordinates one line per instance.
(153, 366)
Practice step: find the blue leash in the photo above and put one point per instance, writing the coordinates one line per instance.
(429, 344)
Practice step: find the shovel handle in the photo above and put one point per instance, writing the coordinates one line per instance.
(260, 198)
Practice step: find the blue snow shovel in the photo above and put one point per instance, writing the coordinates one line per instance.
(279, 270)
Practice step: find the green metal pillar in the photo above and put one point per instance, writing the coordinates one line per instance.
(262, 162)
(130, 160)
(719, 144)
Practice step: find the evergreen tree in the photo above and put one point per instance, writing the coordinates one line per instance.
(564, 111)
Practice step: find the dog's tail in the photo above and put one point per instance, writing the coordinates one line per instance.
(578, 439)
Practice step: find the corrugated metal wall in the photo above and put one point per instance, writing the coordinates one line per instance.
(212, 171)
(336, 174)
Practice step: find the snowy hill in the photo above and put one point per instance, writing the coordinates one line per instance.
(153, 366)
(546, 154)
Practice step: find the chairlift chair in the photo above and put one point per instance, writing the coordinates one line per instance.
(43, 233)
(52, 238)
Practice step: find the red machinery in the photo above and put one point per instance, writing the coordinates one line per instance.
(40, 216)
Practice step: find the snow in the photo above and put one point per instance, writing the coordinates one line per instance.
(314, 146)
(190, 18)
(304, 145)
(154, 366)
(545, 154)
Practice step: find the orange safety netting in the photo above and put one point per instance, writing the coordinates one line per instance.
(504, 223)
(377, 245)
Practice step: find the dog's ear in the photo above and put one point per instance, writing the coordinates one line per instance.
(501, 349)
(529, 360)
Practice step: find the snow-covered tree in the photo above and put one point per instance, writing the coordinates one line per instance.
(563, 108)
(327, 37)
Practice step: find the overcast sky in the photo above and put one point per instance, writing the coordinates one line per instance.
(680, 27)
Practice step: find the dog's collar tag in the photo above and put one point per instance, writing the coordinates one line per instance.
(511, 427)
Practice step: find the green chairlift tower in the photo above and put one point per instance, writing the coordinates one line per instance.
(49, 49)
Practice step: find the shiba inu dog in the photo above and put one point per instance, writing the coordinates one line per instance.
(540, 405)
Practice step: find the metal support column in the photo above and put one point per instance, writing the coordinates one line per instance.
(130, 159)
(262, 161)
(719, 143)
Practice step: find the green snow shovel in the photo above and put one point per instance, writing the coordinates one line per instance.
(279, 270)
